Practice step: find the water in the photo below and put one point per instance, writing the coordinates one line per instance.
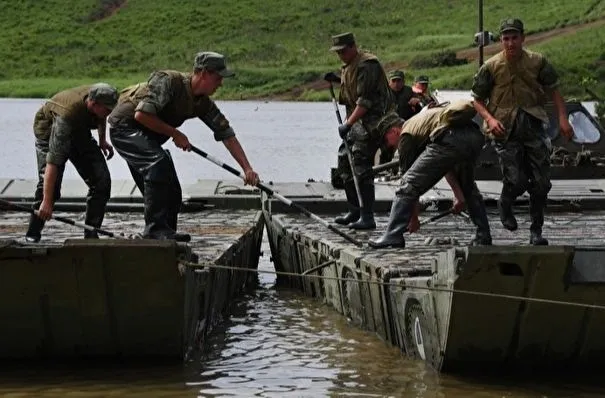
(276, 343)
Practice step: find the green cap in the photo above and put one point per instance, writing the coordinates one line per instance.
(511, 24)
(212, 61)
(342, 40)
(422, 79)
(104, 94)
(396, 74)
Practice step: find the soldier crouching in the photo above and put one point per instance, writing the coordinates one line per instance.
(442, 141)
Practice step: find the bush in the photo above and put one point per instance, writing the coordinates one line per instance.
(436, 60)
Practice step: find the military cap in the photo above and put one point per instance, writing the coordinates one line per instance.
(212, 61)
(396, 74)
(422, 79)
(104, 94)
(342, 40)
(511, 24)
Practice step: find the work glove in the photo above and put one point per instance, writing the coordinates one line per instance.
(332, 77)
(343, 130)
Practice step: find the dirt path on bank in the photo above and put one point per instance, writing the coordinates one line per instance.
(471, 54)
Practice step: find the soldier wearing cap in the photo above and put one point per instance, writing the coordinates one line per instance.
(62, 129)
(371, 112)
(422, 96)
(149, 114)
(510, 90)
(403, 95)
(441, 141)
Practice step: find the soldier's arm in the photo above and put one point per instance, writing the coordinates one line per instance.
(159, 95)
(483, 82)
(59, 146)
(451, 179)
(218, 123)
(368, 74)
(549, 79)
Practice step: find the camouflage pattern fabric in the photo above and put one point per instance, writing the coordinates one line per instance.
(363, 149)
(525, 158)
(87, 158)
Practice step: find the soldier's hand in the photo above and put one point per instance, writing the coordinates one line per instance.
(45, 211)
(414, 101)
(495, 127)
(566, 129)
(181, 141)
(107, 149)
(343, 130)
(458, 206)
(332, 77)
(250, 177)
(414, 224)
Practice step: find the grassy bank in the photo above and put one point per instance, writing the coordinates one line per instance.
(274, 46)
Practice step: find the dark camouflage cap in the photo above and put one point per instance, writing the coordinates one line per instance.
(342, 40)
(396, 74)
(104, 94)
(511, 24)
(422, 79)
(212, 61)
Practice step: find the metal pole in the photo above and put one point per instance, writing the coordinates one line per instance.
(481, 32)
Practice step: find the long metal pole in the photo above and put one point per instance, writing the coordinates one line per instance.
(481, 32)
(347, 149)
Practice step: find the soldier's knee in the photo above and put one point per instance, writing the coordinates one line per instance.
(103, 187)
(408, 191)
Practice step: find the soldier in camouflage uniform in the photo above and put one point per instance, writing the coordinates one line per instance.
(403, 95)
(441, 141)
(510, 90)
(62, 128)
(421, 96)
(148, 114)
(365, 93)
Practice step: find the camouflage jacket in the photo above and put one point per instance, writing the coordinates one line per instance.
(508, 86)
(63, 120)
(167, 94)
(364, 83)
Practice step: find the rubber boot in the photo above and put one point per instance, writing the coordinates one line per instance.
(353, 202)
(478, 214)
(366, 215)
(34, 230)
(536, 213)
(505, 207)
(401, 211)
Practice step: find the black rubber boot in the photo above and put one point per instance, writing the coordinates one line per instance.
(478, 214)
(34, 230)
(401, 211)
(536, 213)
(353, 202)
(366, 215)
(505, 207)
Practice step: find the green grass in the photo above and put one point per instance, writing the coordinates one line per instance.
(273, 45)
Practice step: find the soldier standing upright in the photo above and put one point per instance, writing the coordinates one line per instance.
(365, 93)
(510, 90)
(62, 128)
(148, 115)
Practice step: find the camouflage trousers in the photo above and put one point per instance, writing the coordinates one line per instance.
(88, 160)
(455, 150)
(363, 149)
(525, 159)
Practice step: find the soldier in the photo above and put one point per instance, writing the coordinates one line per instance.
(441, 141)
(148, 114)
(406, 102)
(365, 93)
(62, 129)
(509, 91)
(422, 96)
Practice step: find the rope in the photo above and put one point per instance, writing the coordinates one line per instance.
(380, 283)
